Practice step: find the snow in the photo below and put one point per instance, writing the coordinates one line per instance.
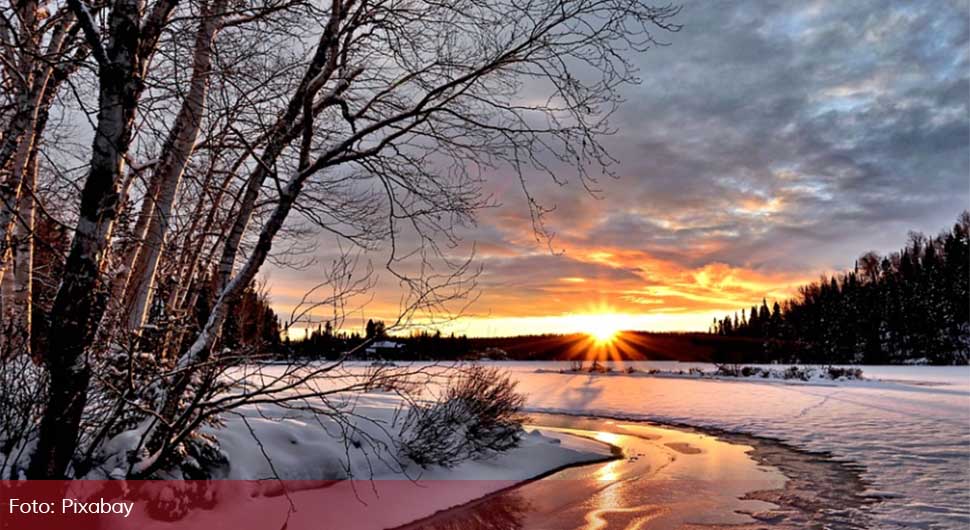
(302, 446)
(908, 426)
(294, 445)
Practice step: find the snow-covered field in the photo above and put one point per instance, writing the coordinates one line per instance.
(908, 426)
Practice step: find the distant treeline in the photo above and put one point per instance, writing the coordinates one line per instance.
(910, 306)
(627, 346)
(323, 343)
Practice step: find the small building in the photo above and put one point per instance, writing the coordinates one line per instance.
(383, 348)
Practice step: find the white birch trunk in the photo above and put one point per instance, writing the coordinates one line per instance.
(176, 152)
(23, 267)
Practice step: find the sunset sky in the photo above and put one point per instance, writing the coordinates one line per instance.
(769, 143)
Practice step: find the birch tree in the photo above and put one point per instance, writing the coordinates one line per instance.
(381, 134)
(122, 61)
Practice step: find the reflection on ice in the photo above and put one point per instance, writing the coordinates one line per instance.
(665, 479)
(669, 479)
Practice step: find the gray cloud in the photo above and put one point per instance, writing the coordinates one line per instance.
(769, 135)
(851, 116)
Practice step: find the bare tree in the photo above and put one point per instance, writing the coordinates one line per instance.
(131, 40)
(378, 121)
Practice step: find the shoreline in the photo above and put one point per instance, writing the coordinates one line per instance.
(616, 454)
(814, 483)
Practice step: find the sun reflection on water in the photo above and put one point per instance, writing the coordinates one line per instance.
(609, 472)
(607, 437)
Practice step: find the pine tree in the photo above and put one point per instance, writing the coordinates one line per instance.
(909, 305)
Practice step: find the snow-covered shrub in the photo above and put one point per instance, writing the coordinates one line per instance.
(836, 373)
(729, 370)
(599, 368)
(797, 372)
(479, 413)
(751, 371)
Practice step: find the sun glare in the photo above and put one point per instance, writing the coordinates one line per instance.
(602, 330)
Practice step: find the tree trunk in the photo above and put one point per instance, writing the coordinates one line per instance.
(176, 151)
(20, 299)
(10, 191)
(18, 142)
(7, 307)
(123, 272)
(75, 307)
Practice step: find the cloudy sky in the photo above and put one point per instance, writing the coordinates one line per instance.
(771, 142)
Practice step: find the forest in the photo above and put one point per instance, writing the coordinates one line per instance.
(909, 307)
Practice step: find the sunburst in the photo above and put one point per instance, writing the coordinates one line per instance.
(602, 332)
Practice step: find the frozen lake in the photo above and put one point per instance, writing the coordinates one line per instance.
(906, 429)
(910, 431)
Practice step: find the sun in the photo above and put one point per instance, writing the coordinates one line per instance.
(602, 330)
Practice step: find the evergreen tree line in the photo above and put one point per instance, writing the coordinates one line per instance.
(908, 307)
(326, 343)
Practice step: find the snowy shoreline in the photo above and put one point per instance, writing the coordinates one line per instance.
(910, 440)
(294, 448)
(906, 428)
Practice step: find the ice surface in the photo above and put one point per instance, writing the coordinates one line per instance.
(909, 428)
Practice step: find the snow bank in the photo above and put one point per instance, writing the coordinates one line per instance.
(269, 442)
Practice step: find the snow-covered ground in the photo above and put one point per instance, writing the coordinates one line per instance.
(908, 426)
(299, 446)
(304, 450)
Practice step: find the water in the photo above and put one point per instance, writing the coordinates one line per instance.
(665, 479)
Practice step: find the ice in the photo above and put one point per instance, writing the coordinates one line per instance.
(909, 427)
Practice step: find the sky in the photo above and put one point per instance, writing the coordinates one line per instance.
(768, 143)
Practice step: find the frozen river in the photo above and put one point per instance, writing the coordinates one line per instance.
(670, 479)
(907, 428)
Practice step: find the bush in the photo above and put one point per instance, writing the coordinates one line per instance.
(836, 373)
(599, 368)
(750, 371)
(795, 372)
(728, 370)
(480, 413)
